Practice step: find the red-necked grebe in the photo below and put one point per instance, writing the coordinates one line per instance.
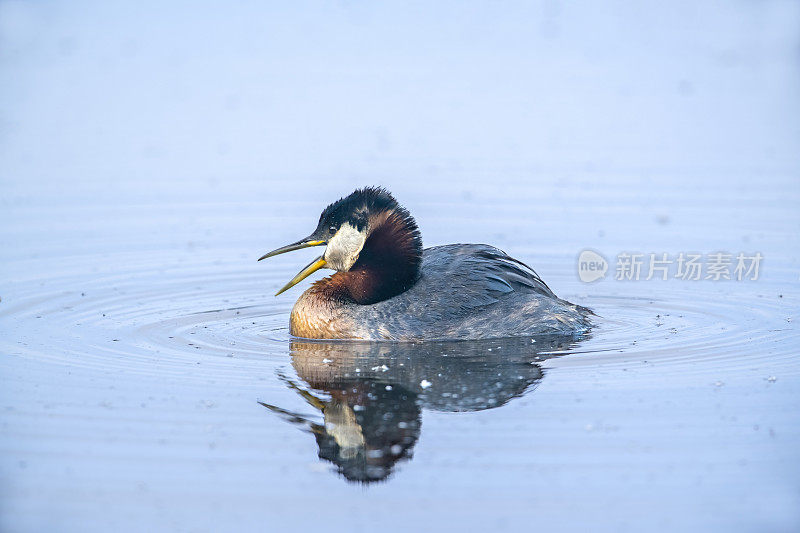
(388, 288)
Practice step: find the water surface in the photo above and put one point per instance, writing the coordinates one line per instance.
(149, 380)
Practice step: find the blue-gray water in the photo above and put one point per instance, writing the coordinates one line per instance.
(149, 155)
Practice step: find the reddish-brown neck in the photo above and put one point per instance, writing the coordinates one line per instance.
(389, 262)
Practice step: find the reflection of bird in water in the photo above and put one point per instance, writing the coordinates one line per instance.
(372, 416)
(388, 288)
(367, 427)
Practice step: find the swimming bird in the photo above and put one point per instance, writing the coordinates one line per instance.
(387, 287)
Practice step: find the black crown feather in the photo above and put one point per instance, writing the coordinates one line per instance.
(356, 207)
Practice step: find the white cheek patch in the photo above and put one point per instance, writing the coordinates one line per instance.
(343, 248)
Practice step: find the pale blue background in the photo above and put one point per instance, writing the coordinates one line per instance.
(151, 151)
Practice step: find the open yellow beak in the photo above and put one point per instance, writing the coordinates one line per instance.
(312, 267)
(315, 265)
(299, 245)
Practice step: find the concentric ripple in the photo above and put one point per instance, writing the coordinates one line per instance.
(212, 312)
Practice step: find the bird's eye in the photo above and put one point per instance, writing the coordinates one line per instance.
(332, 229)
